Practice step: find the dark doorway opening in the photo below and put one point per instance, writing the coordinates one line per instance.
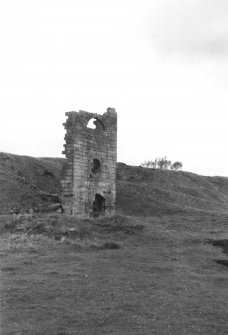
(98, 205)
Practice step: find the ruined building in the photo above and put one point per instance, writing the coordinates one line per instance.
(89, 175)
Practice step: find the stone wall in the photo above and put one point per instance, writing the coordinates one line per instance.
(89, 175)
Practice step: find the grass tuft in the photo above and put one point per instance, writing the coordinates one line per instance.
(21, 242)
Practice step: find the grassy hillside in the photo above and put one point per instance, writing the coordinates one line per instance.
(145, 192)
(24, 181)
(140, 191)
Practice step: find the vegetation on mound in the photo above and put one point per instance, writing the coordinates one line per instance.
(62, 226)
(25, 231)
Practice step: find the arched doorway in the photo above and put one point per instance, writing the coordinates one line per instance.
(98, 205)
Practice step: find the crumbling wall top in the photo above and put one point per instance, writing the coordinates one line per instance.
(110, 110)
(82, 117)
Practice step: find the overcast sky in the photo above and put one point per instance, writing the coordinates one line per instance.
(163, 64)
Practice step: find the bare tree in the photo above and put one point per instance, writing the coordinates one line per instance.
(162, 164)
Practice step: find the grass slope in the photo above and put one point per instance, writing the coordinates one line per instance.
(140, 191)
(22, 178)
(146, 192)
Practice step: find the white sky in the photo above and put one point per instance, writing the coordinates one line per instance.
(161, 63)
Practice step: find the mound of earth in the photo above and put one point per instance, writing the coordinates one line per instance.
(61, 227)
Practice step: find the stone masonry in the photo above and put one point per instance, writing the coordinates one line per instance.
(89, 175)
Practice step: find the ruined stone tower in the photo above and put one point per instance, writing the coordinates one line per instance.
(89, 175)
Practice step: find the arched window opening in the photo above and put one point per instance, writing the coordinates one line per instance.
(98, 205)
(95, 124)
(96, 166)
(91, 124)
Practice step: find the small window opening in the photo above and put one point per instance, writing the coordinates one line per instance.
(91, 124)
(96, 166)
(95, 124)
(98, 205)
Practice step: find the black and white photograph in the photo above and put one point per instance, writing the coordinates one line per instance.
(113, 167)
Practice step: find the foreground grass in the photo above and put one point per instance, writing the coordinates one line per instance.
(111, 276)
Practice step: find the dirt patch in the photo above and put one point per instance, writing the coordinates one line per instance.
(223, 243)
(107, 245)
(9, 269)
(222, 262)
